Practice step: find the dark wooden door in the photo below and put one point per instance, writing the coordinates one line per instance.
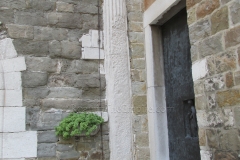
(182, 122)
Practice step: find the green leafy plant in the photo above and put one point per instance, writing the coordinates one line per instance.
(78, 123)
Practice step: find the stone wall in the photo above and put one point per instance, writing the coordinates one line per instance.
(56, 81)
(215, 46)
(135, 10)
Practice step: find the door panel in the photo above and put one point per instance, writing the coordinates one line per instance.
(182, 122)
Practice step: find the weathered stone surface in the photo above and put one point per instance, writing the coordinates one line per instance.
(211, 101)
(43, 64)
(89, 7)
(191, 18)
(215, 83)
(28, 18)
(237, 116)
(75, 80)
(137, 51)
(202, 137)
(232, 37)
(65, 92)
(229, 80)
(200, 102)
(65, 147)
(92, 93)
(206, 155)
(225, 1)
(71, 49)
(49, 119)
(211, 45)
(212, 138)
(237, 77)
(65, 20)
(74, 34)
(142, 139)
(228, 118)
(143, 153)
(229, 140)
(90, 24)
(235, 12)
(138, 63)
(46, 150)
(34, 79)
(206, 7)
(41, 5)
(199, 30)
(68, 155)
(55, 48)
(215, 118)
(47, 137)
(81, 66)
(139, 88)
(135, 16)
(139, 105)
(37, 48)
(136, 37)
(135, 26)
(64, 7)
(32, 116)
(225, 61)
(191, 3)
(219, 20)
(35, 93)
(47, 33)
(211, 65)
(223, 155)
(228, 98)
(6, 15)
(20, 4)
(20, 31)
(198, 87)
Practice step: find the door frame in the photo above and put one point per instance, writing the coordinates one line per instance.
(158, 13)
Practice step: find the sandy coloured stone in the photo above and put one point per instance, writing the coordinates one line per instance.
(139, 105)
(139, 63)
(200, 102)
(148, 3)
(212, 138)
(219, 20)
(229, 80)
(28, 18)
(214, 83)
(232, 37)
(20, 31)
(235, 12)
(211, 101)
(225, 155)
(202, 137)
(229, 140)
(228, 98)
(142, 139)
(225, 61)
(64, 7)
(191, 3)
(191, 18)
(135, 26)
(137, 50)
(206, 7)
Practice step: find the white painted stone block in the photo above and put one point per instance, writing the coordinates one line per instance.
(13, 65)
(14, 119)
(1, 119)
(11, 98)
(86, 40)
(91, 40)
(104, 115)
(199, 69)
(206, 155)
(1, 145)
(21, 144)
(92, 53)
(7, 49)
(10, 81)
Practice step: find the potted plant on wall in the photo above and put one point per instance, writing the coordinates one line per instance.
(79, 124)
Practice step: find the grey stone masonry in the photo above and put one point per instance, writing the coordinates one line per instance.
(56, 82)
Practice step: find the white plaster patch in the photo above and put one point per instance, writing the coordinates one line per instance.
(11, 98)
(13, 65)
(199, 69)
(206, 155)
(10, 81)
(21, 144)
(7, 49)
(92, 53)
(202, 119)
(14, 119)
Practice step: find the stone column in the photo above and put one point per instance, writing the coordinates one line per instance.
(118, 79)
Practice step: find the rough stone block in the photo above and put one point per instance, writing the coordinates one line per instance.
(237, 77)
(64, 7)
(202, 137)
(229, 140)
(212, 138)
(47, 137)
(7, 49)
(235, 12)
(199, 30)
(32, 117)
(211, 101)
(6, 15)
(202, 119)
(35, 93)
(10, 81)
(88, 7)
(13, 65)
(46, 150)
(68, 155)
(228, 98)
(14, 119)
(30, 18)
(10, 97)
(37, 48)
(224, 1)
(65, 92)
(224, 155)
(41, 64)
(198, 87)
(219, 20)
(65, 20)
(232, 37)
(136, 37)
(214, 83)
(20, 31)
(55, 48)
(135, 16)
(207, 7)
(138, 63)
(237, 116)
(34, 79)
(191, 18)
(64, 147)
(194, 52)
(93, 24)
(41, 5)
(47, 33)
(228, 118)
(81, 66)
(143, 153)
(137, 51)
(22, 144)
(191, 3)
(139, 105)
(135, 26)
(142, 140)
(20, 4)
(229, 79)
(211, 46)
(71, 49)
(74, 34)
(200, 102)
(139, 88)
